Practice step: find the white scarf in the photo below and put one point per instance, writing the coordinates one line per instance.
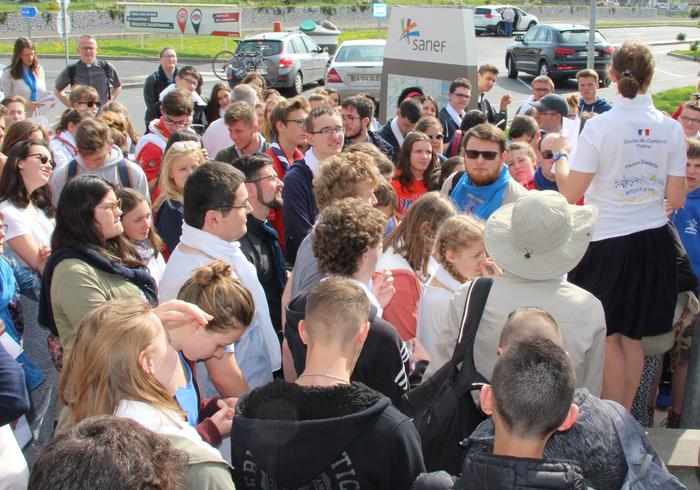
(163, 422)
(230, 252)
(370, 296)
(446, 279)
(456, 117)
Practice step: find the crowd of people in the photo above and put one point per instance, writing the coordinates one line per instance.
(259, 291)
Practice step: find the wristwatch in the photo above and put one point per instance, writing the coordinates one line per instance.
(559, 155)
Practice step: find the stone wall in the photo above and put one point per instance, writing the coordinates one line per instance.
(262, 18)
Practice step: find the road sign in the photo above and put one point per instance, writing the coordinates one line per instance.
(29, 11)
(379, 10)
(60, 24)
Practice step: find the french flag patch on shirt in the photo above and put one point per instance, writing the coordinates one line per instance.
(643, 132)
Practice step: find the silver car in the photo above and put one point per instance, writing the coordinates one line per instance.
(357, 67)
(299, 58)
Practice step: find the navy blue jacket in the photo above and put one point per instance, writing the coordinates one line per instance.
(299, 207)
(14, 400)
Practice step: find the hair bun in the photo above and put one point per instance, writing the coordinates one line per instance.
(213, 272)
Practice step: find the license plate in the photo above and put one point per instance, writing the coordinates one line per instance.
(364, 78)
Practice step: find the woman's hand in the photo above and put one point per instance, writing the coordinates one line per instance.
(383, 287)
(489, 268)
(44, 253)
(223, 418)
(175, 313)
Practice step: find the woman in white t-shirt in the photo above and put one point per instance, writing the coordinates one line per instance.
(62, 145)
(627, 161)
(25, 202)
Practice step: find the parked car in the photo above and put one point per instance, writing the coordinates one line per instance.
(357, 67)
(299, 58)
(489, 18)
(558, 51)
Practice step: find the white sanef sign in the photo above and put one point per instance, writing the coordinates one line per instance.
(427, 47)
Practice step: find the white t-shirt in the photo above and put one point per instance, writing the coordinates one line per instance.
(631, 149)
(27, 221)
(216, 137)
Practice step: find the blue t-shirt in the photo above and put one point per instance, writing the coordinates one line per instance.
(187, 397)
(686, 221)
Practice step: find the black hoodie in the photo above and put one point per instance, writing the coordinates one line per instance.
(382, 364)
(286, 436)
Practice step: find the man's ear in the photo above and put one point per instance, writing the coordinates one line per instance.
(252, 191)
(570, 419)
(504, 156)
(362, 334)
(211, 218)
(302, 332)
(486, 399)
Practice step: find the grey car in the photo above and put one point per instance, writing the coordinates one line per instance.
(558, 51)
(299, 58)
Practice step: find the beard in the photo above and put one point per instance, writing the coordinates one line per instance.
(488, 178)
(274, 203)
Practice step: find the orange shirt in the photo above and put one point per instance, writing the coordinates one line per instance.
(408, 195)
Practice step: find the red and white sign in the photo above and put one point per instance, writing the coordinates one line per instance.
(188, 19)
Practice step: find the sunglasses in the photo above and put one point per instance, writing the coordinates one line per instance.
(436, 137)
(547, 154)
(92, 104)
(487, 155)
(43, 159)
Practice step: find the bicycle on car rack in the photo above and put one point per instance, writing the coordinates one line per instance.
(234, 66)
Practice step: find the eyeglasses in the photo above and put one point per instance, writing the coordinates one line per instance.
(43, 159)
(436, 137)
(547, 154)
(272, 177)
(690, 120)
(330, 131)
(194, 82)
(178, 124)
(487, 155)
(546, 89)
(351, 118)
(112, 206)
(91, 104)
(298, 122)
(462, 95)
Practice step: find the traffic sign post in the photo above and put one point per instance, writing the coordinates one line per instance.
(29, 13)
(63, 24)
(379, 11)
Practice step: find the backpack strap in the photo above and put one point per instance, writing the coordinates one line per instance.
(72, 170)
(71, 73)
(455, 179)
(123, 171)
(105, 67)
(464, 350)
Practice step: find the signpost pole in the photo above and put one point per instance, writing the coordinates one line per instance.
(590, 62)
(29, 27)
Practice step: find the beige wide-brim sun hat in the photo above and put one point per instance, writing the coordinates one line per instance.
(540, 236)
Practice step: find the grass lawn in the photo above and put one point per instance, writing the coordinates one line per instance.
(695, 54)
(192, 46)
(669, 100)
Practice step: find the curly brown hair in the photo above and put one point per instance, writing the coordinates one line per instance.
(341, 175)
(345, 230)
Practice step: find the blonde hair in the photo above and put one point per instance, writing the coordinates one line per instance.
(214, 289)
(103, 367)
(167, 184)
(118, 128)
(266, 124)
(456, 234)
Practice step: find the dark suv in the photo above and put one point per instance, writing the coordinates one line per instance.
(558, 51)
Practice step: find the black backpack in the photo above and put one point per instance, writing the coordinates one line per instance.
(442, 408)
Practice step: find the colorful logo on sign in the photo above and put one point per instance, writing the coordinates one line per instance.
(643, 132)
(182, 19)
(408, 30)
(196, 20)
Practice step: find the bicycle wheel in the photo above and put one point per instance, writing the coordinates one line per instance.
(269, 71)
(220, 64)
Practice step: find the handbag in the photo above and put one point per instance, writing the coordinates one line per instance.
(442, 408)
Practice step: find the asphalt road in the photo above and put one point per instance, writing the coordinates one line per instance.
(671, 72)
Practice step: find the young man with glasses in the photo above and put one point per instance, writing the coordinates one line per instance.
(89, 70)
(188, 78)
(242, 124)
(541, 86)
(451, 115)
(216, 207)
(357, 114)
(288, 128)
(261, 243)
(97, 155)
(177, 110)
(486, 184)
(326, 135)
(690, 119)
